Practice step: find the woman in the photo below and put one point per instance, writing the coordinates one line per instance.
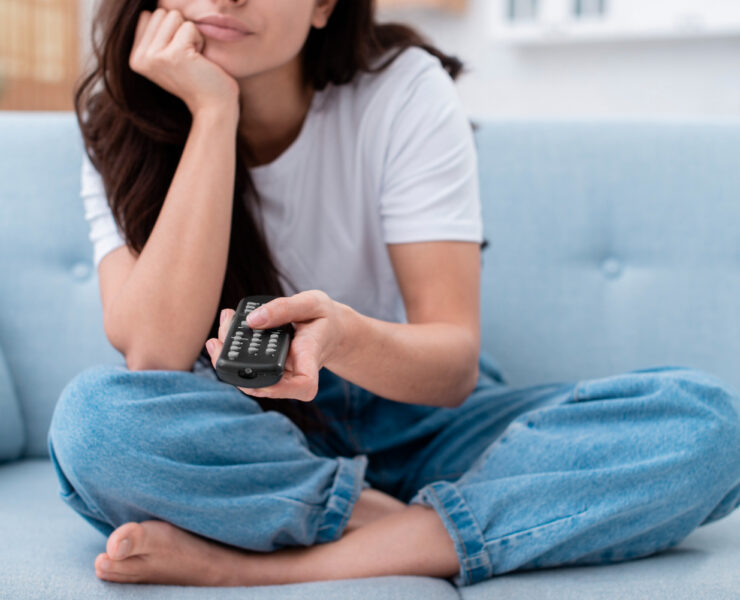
(315, 151)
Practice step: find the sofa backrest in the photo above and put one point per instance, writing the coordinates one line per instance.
(51, 320)
(612, 246)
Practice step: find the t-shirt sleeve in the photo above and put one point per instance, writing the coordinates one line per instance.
(104, 233)
(430, 188)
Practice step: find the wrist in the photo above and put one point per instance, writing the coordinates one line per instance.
(346, 320)
(218, 113)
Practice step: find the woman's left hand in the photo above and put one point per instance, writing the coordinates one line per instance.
(318, 335)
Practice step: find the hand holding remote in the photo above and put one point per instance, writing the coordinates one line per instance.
(317, 329)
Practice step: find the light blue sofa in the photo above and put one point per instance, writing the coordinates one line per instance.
(614, 245)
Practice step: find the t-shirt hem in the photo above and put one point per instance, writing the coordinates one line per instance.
(431, 232)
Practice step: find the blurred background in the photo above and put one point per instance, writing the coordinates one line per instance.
(525, 57)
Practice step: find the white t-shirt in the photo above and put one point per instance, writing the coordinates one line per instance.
(387, 158)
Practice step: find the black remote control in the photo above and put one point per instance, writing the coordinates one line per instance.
(253, 357)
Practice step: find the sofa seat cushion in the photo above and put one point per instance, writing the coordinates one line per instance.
(48, 551)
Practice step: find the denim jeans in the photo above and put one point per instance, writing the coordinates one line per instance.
(589, 472)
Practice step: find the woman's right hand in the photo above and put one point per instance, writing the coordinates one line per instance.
(167, 50)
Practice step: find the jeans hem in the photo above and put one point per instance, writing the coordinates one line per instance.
(348, 484)
(458, 519)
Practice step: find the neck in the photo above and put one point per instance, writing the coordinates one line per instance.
(274, 105)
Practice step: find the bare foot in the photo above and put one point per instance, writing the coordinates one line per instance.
(159, 552)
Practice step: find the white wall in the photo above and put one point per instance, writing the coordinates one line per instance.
(658, 77)
(691, 77)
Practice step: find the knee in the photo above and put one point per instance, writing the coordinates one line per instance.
(84, 400)
(708, 411)
(84, 415)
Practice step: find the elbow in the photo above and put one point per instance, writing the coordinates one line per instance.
(469, 385)
(137, 361)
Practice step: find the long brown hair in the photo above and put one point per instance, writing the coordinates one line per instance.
(134, 133)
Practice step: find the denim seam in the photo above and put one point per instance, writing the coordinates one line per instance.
(469, 563)
(343, 495)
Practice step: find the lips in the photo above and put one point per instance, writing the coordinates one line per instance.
(222, 21)
(221, 33)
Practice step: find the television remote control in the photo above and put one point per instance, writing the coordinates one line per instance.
(253, 357)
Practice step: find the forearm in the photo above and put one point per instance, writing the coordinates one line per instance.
(166, 306)
(419, 363)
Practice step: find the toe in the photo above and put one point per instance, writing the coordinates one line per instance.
(102, 562)
(125, 541)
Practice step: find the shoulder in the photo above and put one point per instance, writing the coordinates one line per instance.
(400, 75)
(408, 70)
(411, 93)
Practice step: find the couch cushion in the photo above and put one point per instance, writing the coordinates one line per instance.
(702, 567)
(48, 551)
(614, 246)
(48, 280)
(12, 435)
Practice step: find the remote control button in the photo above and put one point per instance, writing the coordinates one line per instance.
(252, 351)
(233, 355)
(238, 334)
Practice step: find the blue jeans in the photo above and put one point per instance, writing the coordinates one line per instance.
(591, 472)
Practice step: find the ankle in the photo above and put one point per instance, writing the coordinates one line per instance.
(372, 505)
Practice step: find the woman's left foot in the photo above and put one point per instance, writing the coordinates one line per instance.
(159, 552)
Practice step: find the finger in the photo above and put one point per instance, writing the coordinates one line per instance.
(295, 387)
(303, 306)
(300, 383)
(144, 18)
(171, 22)
(306, 372)
(151, 27)
(213, 347)
(188, 35)
(225, 323)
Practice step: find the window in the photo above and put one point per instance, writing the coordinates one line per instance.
(559, 21)
(38, 54)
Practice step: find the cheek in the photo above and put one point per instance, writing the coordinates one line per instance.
(290, 22)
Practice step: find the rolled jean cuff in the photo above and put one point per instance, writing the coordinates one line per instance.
(348, 484)
(470, 545)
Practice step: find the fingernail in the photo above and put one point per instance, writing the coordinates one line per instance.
(258, 317)
(210, 345)
(223, 315)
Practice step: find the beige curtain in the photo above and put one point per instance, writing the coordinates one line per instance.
(38, 54)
